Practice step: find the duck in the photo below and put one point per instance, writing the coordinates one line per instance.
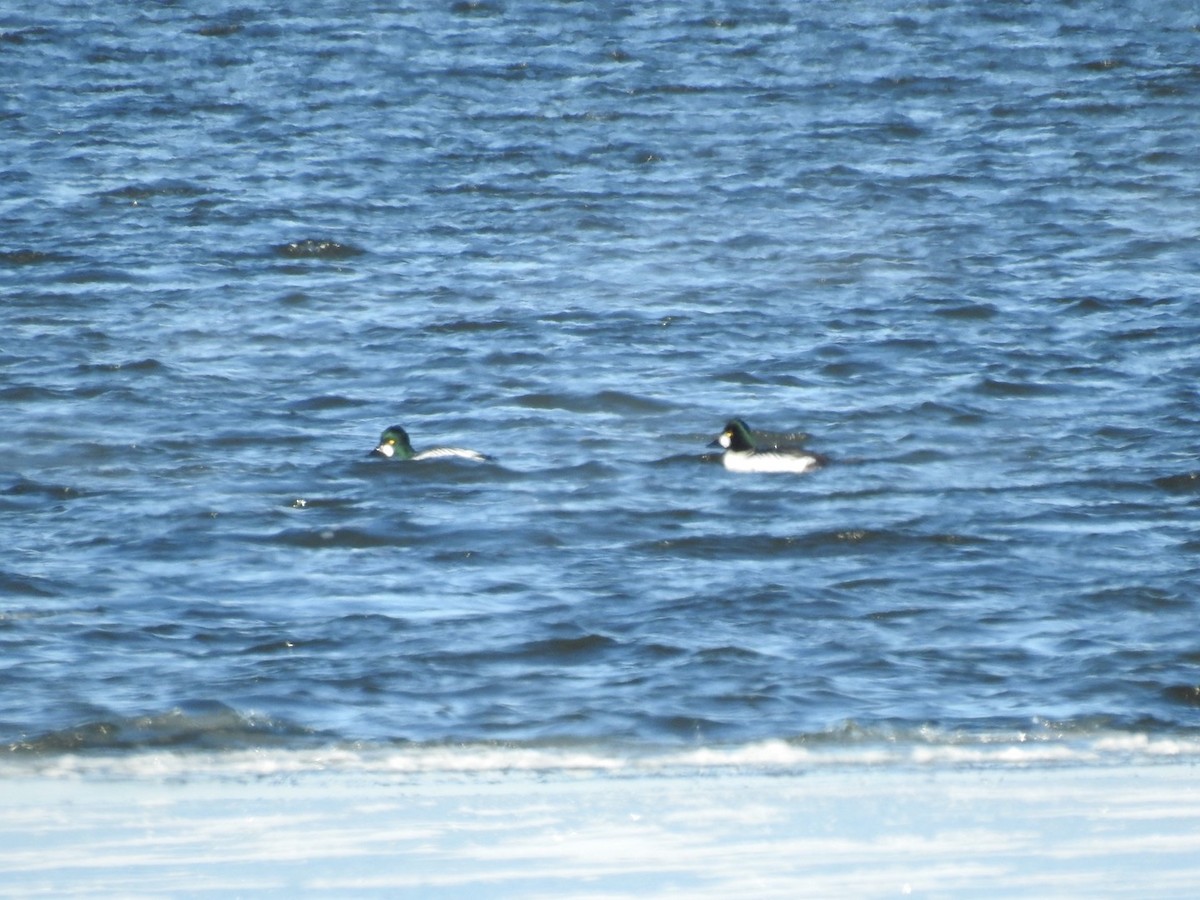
(394, 444)
(741, 454)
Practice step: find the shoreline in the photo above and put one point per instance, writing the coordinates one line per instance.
(1112, 830)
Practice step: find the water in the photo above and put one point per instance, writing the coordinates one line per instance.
(953, 248)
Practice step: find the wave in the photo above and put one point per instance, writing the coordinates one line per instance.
(199, 725)
(213, 740)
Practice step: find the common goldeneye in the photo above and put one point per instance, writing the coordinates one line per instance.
(394, 444)
(741, 456)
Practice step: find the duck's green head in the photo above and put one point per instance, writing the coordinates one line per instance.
(736, 436)
(393, 443)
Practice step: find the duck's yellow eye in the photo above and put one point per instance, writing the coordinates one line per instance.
(391, 440)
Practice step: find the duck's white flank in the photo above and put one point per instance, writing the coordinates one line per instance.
(443, 452)
(767, 461)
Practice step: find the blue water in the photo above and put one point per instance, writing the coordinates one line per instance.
(953, 248)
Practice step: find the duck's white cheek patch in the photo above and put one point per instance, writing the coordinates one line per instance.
(386, 449)
(724, 441)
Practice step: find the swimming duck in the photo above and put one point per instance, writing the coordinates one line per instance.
(394, 443)
(741, 455)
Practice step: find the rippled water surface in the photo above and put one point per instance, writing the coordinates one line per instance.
(953, 248)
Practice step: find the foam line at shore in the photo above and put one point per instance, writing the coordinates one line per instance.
(767, 757)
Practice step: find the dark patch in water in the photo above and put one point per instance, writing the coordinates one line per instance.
(204, 725)
(767, 546)
(602, 401)
(1187, 483)
(219, 30)
(139, 365)
(337, 538)
(29, 257)
(468, 326)
(1183, 694)
(25, 488)
(475, 8)
(570, 650)
(137, 193)
(13, 584)
(968, 312)
(317, 249)
(328, 401)
(997, 388)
